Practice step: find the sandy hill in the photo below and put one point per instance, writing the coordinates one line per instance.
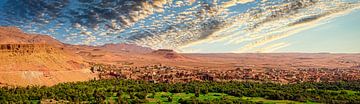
(13, 35)
(123, 47)
(36, 59)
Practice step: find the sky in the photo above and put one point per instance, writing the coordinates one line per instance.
(195, 26)
(339, 35)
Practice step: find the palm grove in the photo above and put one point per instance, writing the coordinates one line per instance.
(136, 91)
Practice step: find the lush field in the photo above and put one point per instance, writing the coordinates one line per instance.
(134, 91)
(163, 97)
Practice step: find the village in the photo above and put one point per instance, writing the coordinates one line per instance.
(169, 74)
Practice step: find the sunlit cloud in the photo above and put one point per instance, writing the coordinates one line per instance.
(272, 47)
(268, 30)
(231, 3)
(172, 24)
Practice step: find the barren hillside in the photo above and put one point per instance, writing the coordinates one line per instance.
(37, 59)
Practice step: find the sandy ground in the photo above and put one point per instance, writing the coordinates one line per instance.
(24, 78)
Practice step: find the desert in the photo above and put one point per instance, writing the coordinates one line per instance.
(179, 52)
(46, 62)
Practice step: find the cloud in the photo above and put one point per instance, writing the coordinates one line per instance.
(272, 47)
(231, 3)
(170, 24)
(264, 25)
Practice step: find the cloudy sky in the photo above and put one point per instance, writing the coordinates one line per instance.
(194, 25)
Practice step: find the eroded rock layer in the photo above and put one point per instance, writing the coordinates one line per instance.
(23, 49)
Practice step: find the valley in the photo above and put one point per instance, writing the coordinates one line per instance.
(31, 59)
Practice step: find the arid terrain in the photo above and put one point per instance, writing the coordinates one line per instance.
(32, 59)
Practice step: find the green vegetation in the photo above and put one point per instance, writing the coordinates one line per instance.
(176, 97)
(135, 91)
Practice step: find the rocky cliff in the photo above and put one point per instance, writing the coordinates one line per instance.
(24, 49)
(38, 57)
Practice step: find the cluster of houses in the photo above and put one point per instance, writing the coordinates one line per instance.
(161, 73)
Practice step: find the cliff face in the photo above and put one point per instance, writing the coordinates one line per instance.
(34, 52)
(38, 57)
(26, 49)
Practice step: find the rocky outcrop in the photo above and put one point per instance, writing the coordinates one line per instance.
(23, 49)
(35, 57)
(167, 53)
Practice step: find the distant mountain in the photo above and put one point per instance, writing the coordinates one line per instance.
(167, 53)
(13, 35)
(123, 47)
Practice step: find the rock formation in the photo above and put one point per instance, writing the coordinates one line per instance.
(167, 53)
